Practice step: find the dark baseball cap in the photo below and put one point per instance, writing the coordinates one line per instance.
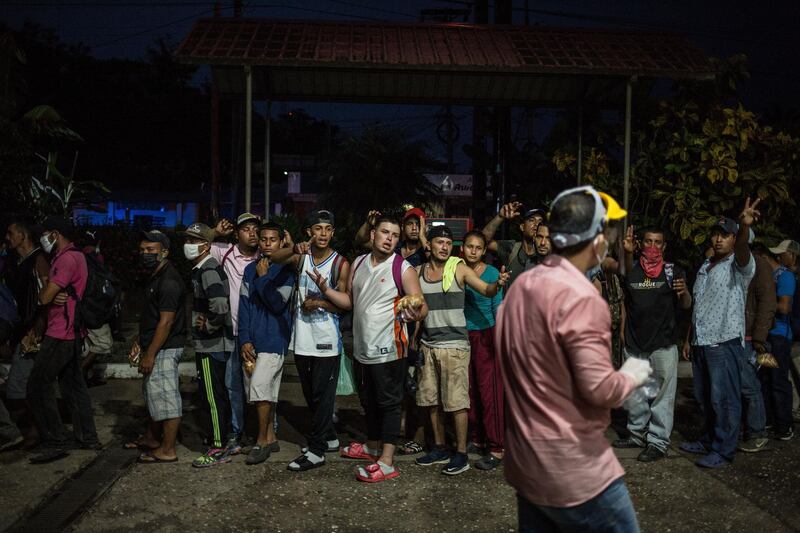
(155, 236)
(440, 231)
(57, 223)
(530, 213)
(198, 230)
(320, 216)
(728, 225)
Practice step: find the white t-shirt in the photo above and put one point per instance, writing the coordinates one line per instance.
(315, 333)
(378, 337)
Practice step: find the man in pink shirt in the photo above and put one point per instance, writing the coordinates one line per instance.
(559, 381)
(234, 258)
(57, 359)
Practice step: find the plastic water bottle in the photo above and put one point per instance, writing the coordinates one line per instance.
(643, 393)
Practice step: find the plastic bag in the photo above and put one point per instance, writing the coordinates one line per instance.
(347, 382)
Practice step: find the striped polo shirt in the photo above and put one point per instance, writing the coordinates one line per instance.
(445, 326)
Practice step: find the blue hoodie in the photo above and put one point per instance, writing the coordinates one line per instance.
(264, 310)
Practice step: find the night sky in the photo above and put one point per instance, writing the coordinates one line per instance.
(765, 31)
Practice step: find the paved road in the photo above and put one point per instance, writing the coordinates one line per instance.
(760, 491)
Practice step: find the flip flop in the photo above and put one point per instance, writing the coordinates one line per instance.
(149, 459)
(410, 448)
(135, 445)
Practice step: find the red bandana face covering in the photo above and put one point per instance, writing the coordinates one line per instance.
(652, 261)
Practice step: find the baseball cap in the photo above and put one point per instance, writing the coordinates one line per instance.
(728, 225)
(247, 217)
(440, 231)
(198, 230)
(320, 216)
(57, 223)
(155, 236)
(606, 209)
(786, 246)
(414, 212)
(530, 213)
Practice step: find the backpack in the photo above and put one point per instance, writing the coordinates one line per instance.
(101, 299)
(397, 274)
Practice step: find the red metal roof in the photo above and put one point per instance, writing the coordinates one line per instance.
(451, 47)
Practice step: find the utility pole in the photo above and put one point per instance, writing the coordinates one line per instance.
(502, 15)
(479, 141)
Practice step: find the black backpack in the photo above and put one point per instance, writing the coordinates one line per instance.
(101, 299)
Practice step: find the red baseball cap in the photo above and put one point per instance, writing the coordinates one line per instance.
(414, 212)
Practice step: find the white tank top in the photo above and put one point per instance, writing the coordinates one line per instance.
(315, 333)
(378, 337)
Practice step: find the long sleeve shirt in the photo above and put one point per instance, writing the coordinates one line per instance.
(553, 337)
(211, 299)
(761, 303)
(264, 310)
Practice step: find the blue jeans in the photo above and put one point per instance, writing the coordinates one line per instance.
(755, 420)
(234, 382)
(651, 422)
(610, 511)
(718, 390)
(776, 387)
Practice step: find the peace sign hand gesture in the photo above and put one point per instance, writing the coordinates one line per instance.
(750, 214)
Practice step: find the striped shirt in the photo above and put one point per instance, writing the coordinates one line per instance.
(211, 299)
(445, 326)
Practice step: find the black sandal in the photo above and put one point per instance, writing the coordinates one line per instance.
(410, 448)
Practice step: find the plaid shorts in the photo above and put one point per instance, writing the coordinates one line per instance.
(161, 389)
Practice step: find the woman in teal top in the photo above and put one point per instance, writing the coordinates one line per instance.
(485, 382)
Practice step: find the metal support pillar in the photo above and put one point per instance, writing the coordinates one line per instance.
(626, 168)
(267, 158)
(248, 138)
(580, 144)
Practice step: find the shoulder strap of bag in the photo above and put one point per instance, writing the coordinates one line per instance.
(225, 257)
(397, 273)
(514, 254)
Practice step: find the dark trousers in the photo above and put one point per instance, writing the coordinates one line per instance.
(8, 430)
(718, 390)
(318, 378)
(215, 403)
(776, 387)
(380, 389)
(485, 391)
(58, 360)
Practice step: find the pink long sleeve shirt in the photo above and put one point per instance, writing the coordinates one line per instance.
(553, 336)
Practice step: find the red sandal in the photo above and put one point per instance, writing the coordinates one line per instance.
(356, 450)
(375, 474)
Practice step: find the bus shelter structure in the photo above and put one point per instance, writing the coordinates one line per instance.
(426, 63)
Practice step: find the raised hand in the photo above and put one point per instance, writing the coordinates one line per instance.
(504, 277)
(262, 267)
(372, 216)
(303, 248)
(679, 286)
(510, 210)
(224, 227)
(629, 243)
(750, 214)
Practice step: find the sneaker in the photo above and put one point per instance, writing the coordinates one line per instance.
(233, 447)
(475, 449)
(213, 457)
(753, 445)
(459, 463)
(783, 435)
(488, 462)
(8, 444)
(259, 454)
(650, 454)
(627, 442)
(435, 456)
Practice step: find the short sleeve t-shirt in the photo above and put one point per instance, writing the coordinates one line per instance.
(785, 286)
(415, 259)
(480, 310)
(68, 268)
(519, 263)
(652, 308)
(165, 291)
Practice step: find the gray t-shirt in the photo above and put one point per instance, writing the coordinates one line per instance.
(516, 263)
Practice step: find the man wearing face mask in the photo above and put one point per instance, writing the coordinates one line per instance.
(234, 258)
(212, 332)
(57, 359)
(553, 337)
(718, 328)
(654, 292)
(162, 335)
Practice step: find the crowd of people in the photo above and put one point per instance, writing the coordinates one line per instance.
(526, 344)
